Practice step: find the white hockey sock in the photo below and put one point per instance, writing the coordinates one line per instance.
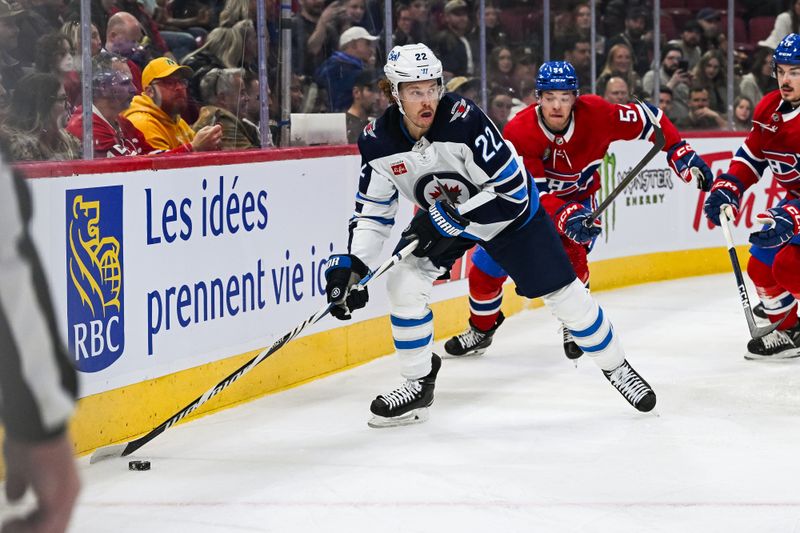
(590, 328)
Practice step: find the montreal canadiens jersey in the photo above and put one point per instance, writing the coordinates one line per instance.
(566, 163)
(463, 152)
(774, 141)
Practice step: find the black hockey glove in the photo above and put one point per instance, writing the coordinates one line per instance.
(436, 230)
(343, 274)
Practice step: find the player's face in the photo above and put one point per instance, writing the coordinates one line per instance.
(789, 83)
(420, 100)
(556, 107)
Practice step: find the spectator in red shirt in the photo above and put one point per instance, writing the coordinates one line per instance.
(112, 91)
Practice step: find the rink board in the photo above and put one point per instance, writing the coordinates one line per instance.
(169, 274)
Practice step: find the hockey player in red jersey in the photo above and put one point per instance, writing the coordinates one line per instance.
(774, 264)
(562, 140)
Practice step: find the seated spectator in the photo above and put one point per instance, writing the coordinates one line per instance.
(527, 97)
(451, 45)
(424, 25)
(710, 20)
(700, 117)
(620, 63)
(227, 95)
(33, 128)
(155, 40)
(500, 68)
(10, 67)
(123, 37)
(54, 54)
(467, 87)
(759, 81)
(337, 74)
(665, 101)
(112, 91)
(495, 33)
(157, 111)
(314, 35)
(742, 114)
(403, 26)
(689, 43)
(224, 48)
(636, 39)
(39, 18)
(525, 71)
(616, 90)
(500, 104)
(365, 96)
(672, 76)
(182, 24)
(577, 51)
(710, 73)
(785, 23)
(582, 26)
(73, 32)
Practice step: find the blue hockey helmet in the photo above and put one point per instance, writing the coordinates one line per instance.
(556, 76)
(787, 52)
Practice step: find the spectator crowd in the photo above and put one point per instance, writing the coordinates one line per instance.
(177, 76)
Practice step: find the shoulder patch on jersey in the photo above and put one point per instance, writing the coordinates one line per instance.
(369, 129)
(399, 168)
(460, 109)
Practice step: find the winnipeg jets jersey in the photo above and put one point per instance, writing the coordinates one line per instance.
(566, 163)
(462, 157)
(774, 141)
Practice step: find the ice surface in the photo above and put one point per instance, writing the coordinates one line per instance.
(519, 440)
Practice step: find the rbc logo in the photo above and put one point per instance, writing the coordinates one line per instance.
(95, 304)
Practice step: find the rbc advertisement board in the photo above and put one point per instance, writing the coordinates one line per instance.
(156, 272)
(95, 288)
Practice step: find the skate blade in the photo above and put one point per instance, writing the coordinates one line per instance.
(415, 416)
(788, 354)
(468, 354)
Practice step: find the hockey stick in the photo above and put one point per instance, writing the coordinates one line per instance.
(658, 145)
(125, 449)
(725, 217)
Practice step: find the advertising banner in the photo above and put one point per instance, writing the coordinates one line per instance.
(153, 272)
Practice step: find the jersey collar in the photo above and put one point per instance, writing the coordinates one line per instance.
(551, 136)
(786, 111)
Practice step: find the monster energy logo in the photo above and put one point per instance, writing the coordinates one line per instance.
(608, 173)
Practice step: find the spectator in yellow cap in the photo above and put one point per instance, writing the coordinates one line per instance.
(157, 111)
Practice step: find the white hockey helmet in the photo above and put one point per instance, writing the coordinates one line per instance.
(409, 63)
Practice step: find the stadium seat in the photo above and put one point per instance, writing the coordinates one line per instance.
(760, 28)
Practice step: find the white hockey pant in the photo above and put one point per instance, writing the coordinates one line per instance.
(585, 319)
(409, 285)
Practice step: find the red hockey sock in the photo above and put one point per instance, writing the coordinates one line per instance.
(786, 271)
(485, 298)
(777, 299)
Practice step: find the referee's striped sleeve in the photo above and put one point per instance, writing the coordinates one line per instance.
(37, 381)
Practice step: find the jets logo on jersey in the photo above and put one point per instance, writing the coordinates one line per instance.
(785, 166)
(460, 110)
(398, 169)
(369, 130)
(428, 188)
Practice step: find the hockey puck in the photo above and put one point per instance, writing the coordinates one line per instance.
(139, 465)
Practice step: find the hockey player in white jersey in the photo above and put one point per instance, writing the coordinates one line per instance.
(441, 152)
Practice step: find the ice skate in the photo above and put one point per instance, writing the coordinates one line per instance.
(408, 404)
(473, 341)
(632, 387)
(776, 345)
(758, 311)
(571, 350)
